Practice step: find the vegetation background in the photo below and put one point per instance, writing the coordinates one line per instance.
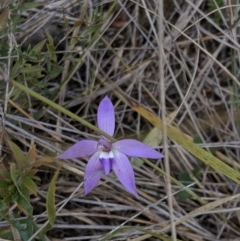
(176, 59)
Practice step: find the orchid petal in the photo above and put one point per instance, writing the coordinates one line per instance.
(124, 172)
(136, 148)
(93, 173)
(82, 148)
(106, 116)
(106, 160)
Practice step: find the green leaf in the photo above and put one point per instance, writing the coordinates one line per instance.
(51, 211)
(7, 199)
(31, 69)
(25, 227)
(3, 184)
(15, 70)
(28, 230)
(15, 223)
(18, 154)
(3, 19)
(55, 72)
(24, 204)
(50, 40)
(13, 174)
(30, 5)
(6, 234)
(37, 48)
(36, 178)
(51, 48)
(31, 155)
(23, 201)
(30, 184)
(32, 228)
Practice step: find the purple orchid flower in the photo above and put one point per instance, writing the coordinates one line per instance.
(106, 155)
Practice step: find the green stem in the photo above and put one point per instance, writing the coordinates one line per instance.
(60, 108)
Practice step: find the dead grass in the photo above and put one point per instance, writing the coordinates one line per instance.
(194, 65)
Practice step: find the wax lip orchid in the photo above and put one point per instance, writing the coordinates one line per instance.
(106, 155)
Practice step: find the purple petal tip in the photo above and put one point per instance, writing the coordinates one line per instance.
(124, 172)
(136, 148)
(106, 116)
(82, 148)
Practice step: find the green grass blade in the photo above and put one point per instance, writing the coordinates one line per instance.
(183, 140)
(51, 211)
(60, 108)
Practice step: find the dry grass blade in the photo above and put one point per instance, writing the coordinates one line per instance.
(171, 69)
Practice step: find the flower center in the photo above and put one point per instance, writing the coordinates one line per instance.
(104, 145)
(106, 156)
